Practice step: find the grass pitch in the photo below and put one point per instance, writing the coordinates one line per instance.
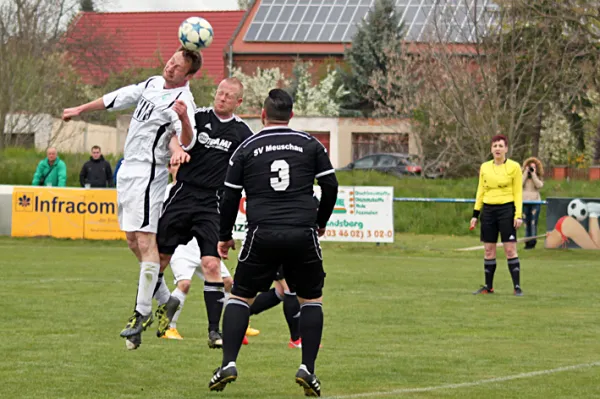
(400, 322)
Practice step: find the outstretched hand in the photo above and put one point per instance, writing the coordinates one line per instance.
(69, 113)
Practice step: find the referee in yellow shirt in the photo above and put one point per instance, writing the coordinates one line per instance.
(500, 203)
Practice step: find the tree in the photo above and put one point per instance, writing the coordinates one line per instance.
(86, 6)
(569, 56)
(256, 87)
(322, 99)
(36, 77)
(488, 79)
(367, 56)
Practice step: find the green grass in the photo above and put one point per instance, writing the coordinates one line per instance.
(397, 317)
(448, 218)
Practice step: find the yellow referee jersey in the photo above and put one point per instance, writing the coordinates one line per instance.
(500, 184)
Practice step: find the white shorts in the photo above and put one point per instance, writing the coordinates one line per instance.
(186, 262)
(140, 195)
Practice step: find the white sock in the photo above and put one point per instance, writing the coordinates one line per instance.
(162, 293)
(146, 284)
(177, 293)
(594, 209)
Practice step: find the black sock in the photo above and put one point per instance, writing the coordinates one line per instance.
(514, 267)
(311, 329)
(235, 322)
(291, 310)
(213, 298)
(158, 283)
(265, 301)
(489, 266)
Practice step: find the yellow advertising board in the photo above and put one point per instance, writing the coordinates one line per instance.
(101, 221)
(65, 213)
(48, 211)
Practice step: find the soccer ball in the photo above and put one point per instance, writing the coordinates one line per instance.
(195, 33)
(578, 209)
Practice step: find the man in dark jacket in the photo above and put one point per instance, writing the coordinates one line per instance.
(97, 171)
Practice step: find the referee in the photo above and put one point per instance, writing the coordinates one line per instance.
(499, 201)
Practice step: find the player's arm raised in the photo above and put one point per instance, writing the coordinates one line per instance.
(326, 179)
(122, 98)
(186, 131)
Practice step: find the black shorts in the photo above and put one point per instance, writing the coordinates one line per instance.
(498, 219)
(188, 213)
(264, 250)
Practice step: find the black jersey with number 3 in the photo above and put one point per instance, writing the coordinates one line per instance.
(214, 142)
(277, 169)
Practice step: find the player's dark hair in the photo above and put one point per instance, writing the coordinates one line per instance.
(500, 137)
(194, 58)
(278, 105)
(96, 147)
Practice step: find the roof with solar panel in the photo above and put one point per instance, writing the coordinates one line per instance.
(336, 21)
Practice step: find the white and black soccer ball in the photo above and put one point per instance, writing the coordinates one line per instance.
(195, 33)
(578, 209)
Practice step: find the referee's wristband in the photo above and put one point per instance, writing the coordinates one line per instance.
(476, 213)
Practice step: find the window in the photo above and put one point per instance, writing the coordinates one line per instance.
(26, 140)
(387, 161)
(364, 144)
(365, 163)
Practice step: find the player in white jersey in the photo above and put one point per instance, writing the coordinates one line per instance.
(162, 123)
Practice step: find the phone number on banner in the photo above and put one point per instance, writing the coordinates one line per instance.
(333, 234)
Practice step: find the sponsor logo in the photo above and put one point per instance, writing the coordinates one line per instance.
(219, 144)
(32, 203)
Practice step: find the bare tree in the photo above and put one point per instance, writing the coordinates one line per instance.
(34, 76)
(481, 71)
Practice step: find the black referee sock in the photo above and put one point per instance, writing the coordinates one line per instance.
(489, 266)
(235, 322)
(291, 310)
(213, 298)
(311, 329)
(514, 267)
(265, 301)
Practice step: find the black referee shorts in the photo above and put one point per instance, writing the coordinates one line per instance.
(498, 219)
(187, 213)
(264, 250)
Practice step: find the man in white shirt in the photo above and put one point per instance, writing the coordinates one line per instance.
(164, 105)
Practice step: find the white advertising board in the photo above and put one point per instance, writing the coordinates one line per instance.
(361, 214)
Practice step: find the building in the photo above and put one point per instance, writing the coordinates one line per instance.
(101, 43)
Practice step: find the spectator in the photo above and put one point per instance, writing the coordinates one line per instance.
(117, 170)
(51, 171)
(533, 172)
(96, 172)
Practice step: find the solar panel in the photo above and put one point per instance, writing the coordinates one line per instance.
(337, 21)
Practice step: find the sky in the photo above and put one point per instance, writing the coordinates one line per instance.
(167, 5)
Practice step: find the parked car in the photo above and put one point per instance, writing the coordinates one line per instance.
(392, 163)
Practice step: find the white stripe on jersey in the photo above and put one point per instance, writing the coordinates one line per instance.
(153, 120)
(233, 186)
(327, 172)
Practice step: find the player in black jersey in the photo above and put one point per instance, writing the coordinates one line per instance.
(277, 168)
(192, 209)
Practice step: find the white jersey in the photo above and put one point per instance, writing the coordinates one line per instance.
(153, 121)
